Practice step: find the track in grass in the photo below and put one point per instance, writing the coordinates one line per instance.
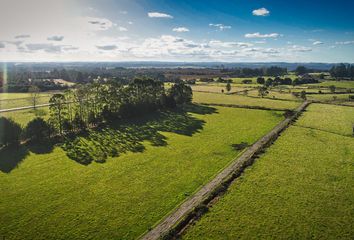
(301, 188)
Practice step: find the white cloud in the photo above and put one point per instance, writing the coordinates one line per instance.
(317, 43)
(217, 43)
(130, 22)
(46, 47)
(23, 36)
(261, 12)
(296, 48)
(122, 29)
(180, 29)
(107, 47)
(168, 46)
(98, 24)
(220, 26)
(123, 12)
(55, 38)
(258, 35)
(345, 43)
(271, 51)
(159, 15)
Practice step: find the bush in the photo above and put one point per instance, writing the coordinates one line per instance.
(37, 130)
(10, 132)
(260, 80)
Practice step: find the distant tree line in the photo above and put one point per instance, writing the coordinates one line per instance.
(254, 72)
(342, 71)
(94, 104)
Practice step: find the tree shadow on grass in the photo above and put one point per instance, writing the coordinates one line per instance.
(111, 141)
(128, 136)
(11, 156)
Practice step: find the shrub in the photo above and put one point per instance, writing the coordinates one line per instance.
(37, 130)
(10, 132)
(260, 80)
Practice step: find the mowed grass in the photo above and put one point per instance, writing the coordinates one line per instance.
(330, 118)
(200, 97)
(49, 196)
(24, 116)
(301, 188)
(14, 100)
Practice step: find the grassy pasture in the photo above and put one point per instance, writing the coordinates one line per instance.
(330, 118)
(47, 195)
(285, 95)
(329, 97)
(200, 97)
(13, 100)
(301, 188)
(338, 84)
(24, 116)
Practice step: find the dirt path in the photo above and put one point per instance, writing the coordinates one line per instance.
(181, 213)
(23, 108)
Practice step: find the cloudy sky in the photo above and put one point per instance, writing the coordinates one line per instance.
(177, 30)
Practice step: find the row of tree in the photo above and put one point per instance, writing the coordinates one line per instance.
(94, 104)
(342, 71)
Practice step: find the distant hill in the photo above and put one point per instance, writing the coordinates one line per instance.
(155, 64)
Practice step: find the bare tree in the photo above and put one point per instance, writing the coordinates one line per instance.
(34, 94)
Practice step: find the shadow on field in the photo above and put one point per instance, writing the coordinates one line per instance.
(128, 136)
(114, 139)
(10, 157)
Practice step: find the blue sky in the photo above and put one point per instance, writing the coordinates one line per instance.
(171, 30)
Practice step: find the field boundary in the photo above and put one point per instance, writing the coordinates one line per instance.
(196, 205)
(245, 106)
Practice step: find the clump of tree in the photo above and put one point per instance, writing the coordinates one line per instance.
(303, 95)
(260, 80)
(332, 88)
(305, 80)
(263, 91)
(37, 130)
(92, 104)
(342, 71)
(228, 87)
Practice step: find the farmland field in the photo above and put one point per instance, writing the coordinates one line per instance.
(329, 97)
(200, 97)
(301, 188)
(338, 84)
(46, 195)
(24, 116)
(335, 119)
(13, 100)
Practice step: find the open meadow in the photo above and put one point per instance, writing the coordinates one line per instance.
(210, 98)
(301, 187)
(47, 194)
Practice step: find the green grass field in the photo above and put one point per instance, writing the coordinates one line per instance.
(329, 97)
(200, 97)
(301, 188)
(24, 116)
(338, 84)
(13, 100)
(46, 195)
(330, 118)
